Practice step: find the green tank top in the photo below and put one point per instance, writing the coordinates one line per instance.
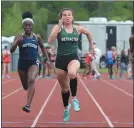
(67, 42)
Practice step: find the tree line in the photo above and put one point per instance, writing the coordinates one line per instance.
(46, 12)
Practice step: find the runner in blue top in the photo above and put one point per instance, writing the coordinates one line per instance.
(110, 62)
(28, 63)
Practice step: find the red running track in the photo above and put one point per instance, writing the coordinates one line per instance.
(104, 103)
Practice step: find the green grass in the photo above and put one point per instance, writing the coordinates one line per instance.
(101, 70)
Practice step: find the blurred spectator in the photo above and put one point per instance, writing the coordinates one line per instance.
(123, 62)
(53, 53)
(6, 62)
(130, 66)
(48, 68)
(110, 62)
(40, 64)
(96, 61)
(88, 59)
(79, 53)
(115, 65)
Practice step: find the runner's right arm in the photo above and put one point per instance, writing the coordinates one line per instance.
(17, 40)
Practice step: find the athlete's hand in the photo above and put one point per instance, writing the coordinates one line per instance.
(92, 52)
(19, 39)
(60, 22)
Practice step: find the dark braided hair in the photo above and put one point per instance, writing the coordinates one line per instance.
(27, 14)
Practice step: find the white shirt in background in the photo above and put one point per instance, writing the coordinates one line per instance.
(98, 53)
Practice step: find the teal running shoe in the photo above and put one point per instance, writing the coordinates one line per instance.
(76, 105)
(67, 113)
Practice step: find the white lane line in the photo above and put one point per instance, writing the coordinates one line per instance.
(97, 104)
(13, 92)
(8, 81)
(43, 106)
(119, 89)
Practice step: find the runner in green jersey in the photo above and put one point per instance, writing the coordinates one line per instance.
(67, 62)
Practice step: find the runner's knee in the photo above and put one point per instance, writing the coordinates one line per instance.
(25, 87)
(31, 81)
(64, 90)
(71, 74)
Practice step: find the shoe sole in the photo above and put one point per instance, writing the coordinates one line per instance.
(26, 110)
(76, 110)
(67, 120)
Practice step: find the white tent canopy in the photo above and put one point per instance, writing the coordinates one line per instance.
(8, 39)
